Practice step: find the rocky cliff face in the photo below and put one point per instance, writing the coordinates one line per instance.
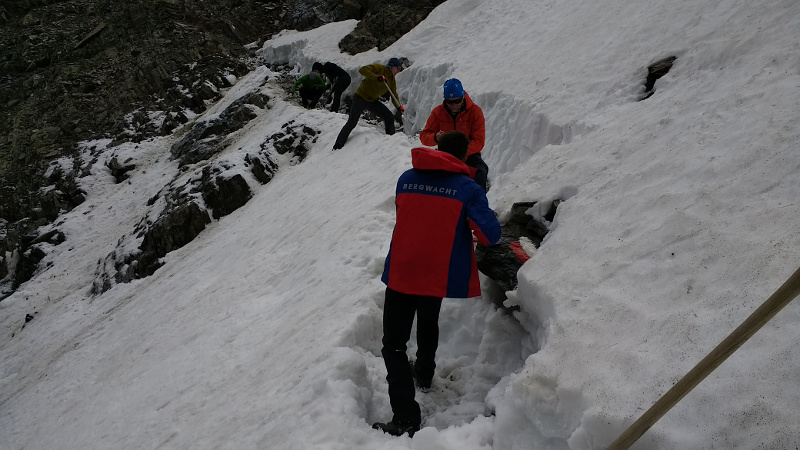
(74, 70)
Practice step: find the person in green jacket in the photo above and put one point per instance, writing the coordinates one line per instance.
(378, 80)
(312, 86)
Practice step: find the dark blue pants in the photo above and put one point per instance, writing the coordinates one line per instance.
(398, 317)
(358, 107)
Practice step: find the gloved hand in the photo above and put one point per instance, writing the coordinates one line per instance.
(398, 115)
(381, 78)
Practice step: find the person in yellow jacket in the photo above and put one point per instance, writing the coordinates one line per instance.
(377, 77)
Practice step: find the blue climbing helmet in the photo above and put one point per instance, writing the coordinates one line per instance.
(453, 89)
(394, 62)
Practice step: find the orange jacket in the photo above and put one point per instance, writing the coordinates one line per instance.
(468, 121)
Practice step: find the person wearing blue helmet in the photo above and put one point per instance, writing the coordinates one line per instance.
(378, 80)
(459, 113)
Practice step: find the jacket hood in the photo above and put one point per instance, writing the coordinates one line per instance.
(424, 158)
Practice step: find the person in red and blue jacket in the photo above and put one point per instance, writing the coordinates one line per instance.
(439, 207)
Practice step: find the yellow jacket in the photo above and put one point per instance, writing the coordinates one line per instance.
(370, 88)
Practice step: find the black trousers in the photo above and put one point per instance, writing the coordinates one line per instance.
(358, 107)
(341, 84)
(310, 96)
(398, 316)
(475, 160)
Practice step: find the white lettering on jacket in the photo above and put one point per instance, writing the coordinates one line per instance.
(429, 188)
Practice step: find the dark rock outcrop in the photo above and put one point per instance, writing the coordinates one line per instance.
(222, 194)
(32, 252)
(119, 170)
(655, 71)
(206, 138)
(3, 251)
(215, 188)
(79, 70)
(173, 230)
(383, 23)
(263, 166)
(293, 140)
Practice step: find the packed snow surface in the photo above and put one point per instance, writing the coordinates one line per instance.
(678, 218)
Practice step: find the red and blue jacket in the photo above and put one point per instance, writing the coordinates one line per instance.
(438, 207)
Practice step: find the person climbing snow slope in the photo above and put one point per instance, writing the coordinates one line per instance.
(378, 80)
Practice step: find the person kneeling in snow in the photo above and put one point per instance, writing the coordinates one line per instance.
(312, 86)
(338, 77)
(431, 256)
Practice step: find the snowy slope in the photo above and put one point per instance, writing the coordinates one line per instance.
(679, 218)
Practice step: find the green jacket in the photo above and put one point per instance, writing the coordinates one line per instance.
(370, 88)
(305, 81)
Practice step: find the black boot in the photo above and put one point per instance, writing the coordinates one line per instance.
(397, 428)
(424, 384)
